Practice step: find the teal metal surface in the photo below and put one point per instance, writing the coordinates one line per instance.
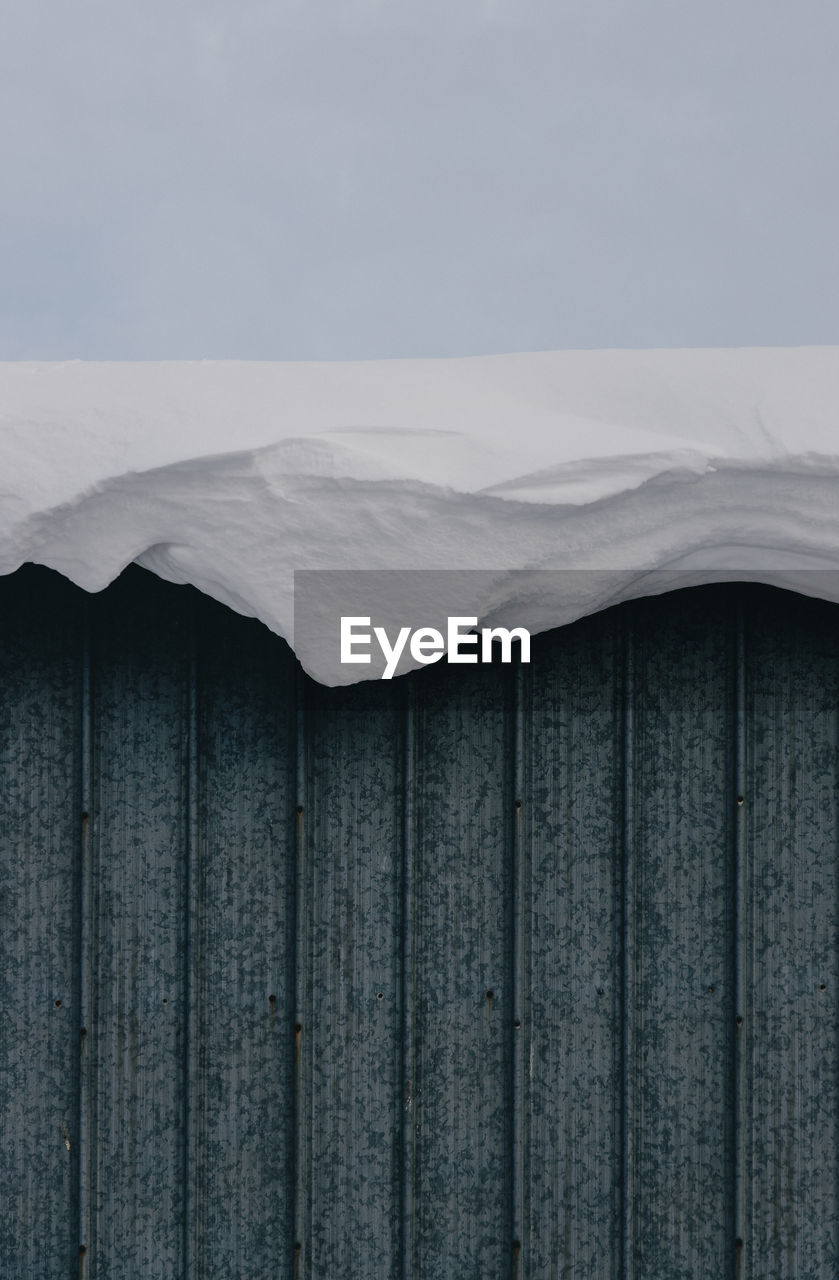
(482, 973)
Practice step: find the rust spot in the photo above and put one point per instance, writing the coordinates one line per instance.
(85, 820)
(83, 1033)
(516, 1251)
(300, 820)
(65, 1133)
(490, 998)
(82, 1252)
(298, 1031)
(272, 1000)
(739, 1021)
(297, 1261)
(738, 1245)
(410, 1096)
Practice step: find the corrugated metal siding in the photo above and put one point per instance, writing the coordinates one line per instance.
(482, 973)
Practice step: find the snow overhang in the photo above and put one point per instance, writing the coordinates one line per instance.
(693, 465)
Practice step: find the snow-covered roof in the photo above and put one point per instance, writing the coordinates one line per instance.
(701, 464)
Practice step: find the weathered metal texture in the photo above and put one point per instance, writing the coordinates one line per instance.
(461, 995)
(569, 1043)
(40, 713)
(678, 931)
(789, 1040)
(482, 973)
(240, 1073)
(135, 1009)
(350, 998)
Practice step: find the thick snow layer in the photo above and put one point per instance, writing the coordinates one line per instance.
(700, 464)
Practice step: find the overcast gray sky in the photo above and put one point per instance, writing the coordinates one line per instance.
(308, 179)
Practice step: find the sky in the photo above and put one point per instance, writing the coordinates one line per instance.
(315, 180)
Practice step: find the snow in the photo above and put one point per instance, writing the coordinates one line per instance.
(644, 469)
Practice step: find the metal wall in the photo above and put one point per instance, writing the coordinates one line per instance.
(475, 974)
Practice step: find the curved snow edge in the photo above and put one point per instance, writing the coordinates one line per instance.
(235, 537)
(557, 483)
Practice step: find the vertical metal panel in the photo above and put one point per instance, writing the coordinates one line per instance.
(242, 952)
(40, 828)
(791, 1038)
(463, 974)
(679, 918)
(136, 1028)
(408, 963)
(351, 1019)
(741, 916)
(570, 1033)
(572, 858)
